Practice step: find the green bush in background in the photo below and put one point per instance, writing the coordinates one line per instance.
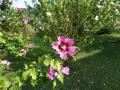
(80, 19)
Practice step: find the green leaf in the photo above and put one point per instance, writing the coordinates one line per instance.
(2, 40)
(7, 84)
(46, 62)
(40, 59)
(26, 67)
(1, 84)
(33, 73)
(26, 74)
(1, 34)
(4, 83)
(15, 87)
(20, 83)
(33, 82)
(54, 83)
(61, 78)
(57, 64)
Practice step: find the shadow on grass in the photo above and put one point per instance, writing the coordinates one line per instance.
(103, 41)
(100, 71)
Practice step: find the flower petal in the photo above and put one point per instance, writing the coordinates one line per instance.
(57, 75)
(56, 46)
(65, 70)
(8, 64)
(72, 50)
(50, 77)
(51, 73)
(61, 38)
(63, 55)
(70, 42)
(4, 62)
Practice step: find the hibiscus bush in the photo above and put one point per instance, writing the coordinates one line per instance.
(28, 57)
(36, 43)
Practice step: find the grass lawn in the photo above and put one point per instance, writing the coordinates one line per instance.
(96, 68)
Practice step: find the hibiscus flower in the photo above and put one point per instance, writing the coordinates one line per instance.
(64, 47)
(65, 70)
(20, 10)
(26, 20)
(51, 73)
(5, 62)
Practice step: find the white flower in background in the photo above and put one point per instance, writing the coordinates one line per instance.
(48, 13)
(4, 17)
(41, 26)
(100, 6)
(96, 18)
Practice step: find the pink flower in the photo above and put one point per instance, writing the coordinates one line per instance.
(23, 51)
(5, 62)
(64, 47)
(57, 75)
(26, 20)
(51, 73)
(30, 45)
(65, 70)
(20, 10)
